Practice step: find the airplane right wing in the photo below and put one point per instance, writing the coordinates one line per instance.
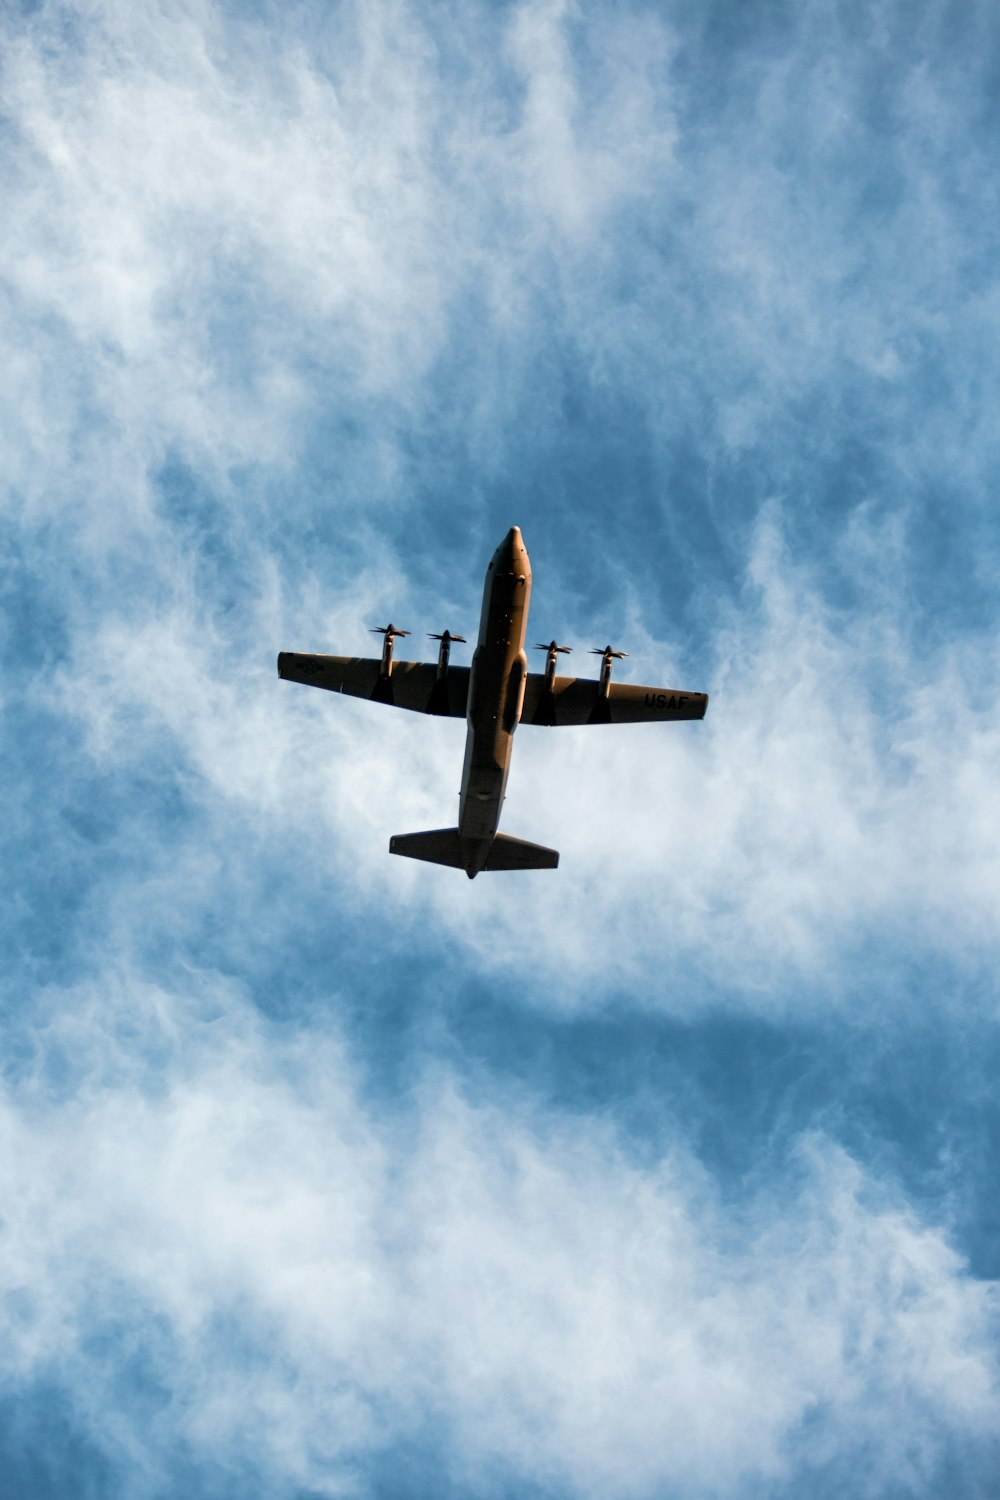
(580, 700)
(411, 684)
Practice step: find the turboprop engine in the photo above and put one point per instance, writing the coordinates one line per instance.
(553, 648)
(390, 632)
(608, 655)
(444, 650)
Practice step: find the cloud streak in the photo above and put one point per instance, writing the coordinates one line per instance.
(306, 1283)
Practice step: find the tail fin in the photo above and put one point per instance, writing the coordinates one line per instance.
(446, 846)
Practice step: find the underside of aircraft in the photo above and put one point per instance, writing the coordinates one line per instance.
(494, 696)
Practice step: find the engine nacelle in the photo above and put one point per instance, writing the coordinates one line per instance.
(552, 650)
(608, 655)
(444, 651)
(389, 633)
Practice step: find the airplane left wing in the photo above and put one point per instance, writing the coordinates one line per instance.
(410, 684)
(581, 700)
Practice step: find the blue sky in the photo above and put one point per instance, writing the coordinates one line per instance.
(673, 1174)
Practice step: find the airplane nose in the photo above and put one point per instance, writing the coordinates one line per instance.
(512, 544)
(511, 556)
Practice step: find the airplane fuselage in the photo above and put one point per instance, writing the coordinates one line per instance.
(496, 693)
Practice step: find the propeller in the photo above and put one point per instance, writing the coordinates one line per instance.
(390, 632)
(550, 660)
(608, 654)
(444, 650)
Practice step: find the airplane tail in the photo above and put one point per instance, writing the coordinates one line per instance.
(446, 846)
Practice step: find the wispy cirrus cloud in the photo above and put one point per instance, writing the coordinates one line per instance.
(303, 309)
(832, 795)
(210, 1200)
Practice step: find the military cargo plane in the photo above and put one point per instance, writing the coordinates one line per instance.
(494, 696)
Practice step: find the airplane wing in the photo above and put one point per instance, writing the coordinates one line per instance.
(411, 684)
(579, 700)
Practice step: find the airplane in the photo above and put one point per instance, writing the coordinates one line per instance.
(494, 696)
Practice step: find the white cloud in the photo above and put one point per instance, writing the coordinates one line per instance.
(837, 790)
(310, 1281)
(177, 184)
(211, 234)
(578, 155)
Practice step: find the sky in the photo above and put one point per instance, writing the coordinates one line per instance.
(670, 1175)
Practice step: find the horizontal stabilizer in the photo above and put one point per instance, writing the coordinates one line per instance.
(446, 846)
(507, 853)
(441, 846)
